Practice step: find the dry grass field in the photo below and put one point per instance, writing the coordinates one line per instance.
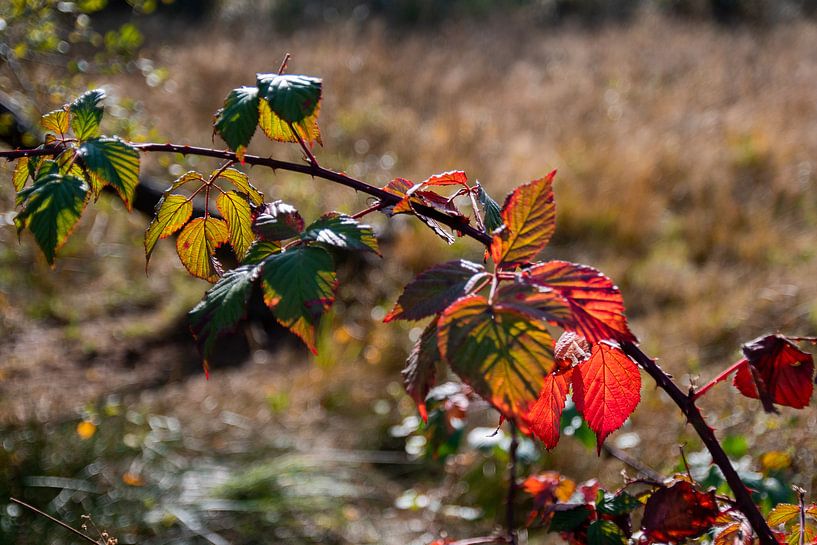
(687, 171)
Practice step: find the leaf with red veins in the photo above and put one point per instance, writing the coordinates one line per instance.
(678, 512)
(596, 303)
(529, 215)
(775, 370)
(419, 374)
(606, 389)
(547, 303)
(544, 417)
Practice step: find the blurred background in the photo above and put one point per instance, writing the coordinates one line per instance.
(685, 140)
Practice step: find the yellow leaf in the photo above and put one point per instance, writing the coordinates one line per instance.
(55, 122)
(277, 129)
(20, 175)
(86, 429)
(236, 211)
(173, 212)
(240, 181)
(782, 513)
(196, 244)
(774, 460)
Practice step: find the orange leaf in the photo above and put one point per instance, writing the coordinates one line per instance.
(678, 512)
(545, 415)
(452, 177)
(606, 389)
(529, 215)
(776, 371)
(783, 513)
(597, 305)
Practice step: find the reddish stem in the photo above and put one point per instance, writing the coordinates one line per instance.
(720, 378)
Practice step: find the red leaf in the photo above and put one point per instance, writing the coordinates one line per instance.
(547, 489)
(678, 512)
(596, 302)
(545, 415)
(419, 374)
(606, 389)
(776, 371)
(529, 215)
(452, 177)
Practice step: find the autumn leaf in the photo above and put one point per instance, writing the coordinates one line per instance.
(172, 212)
(502, 353)
(291, 97)
(545, 302)
(21, 173)
(419, 374)
(241, 182)
(546, 489)
(782, 513)
(299, 286)
(411, 197)
(678, 512)
(341, 231)
(110, 161)
(606, 389)
(529, 215)
(197, 243)
(436, 288)
(279, 130)
(452, 177)
(596, 303)
(56, 121)
(276, 221)
(544, 417)
(236, 212)
(86, 114)
(605, 532)
(776, 371)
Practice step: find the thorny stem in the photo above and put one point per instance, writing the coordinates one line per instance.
(55, 521)
(509, 506)
(743, 499)
(721, 377)
(275, 164)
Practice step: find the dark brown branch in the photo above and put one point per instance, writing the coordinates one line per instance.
(55, 521)
(275, 164)
(510, 514)
(743, 499)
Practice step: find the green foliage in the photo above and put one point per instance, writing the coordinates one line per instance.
(110, 161)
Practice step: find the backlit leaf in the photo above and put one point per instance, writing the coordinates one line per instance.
(186, 178)
(777, 369)
(276, 221)
(111, 161)
(260, 250)
(222, 306)
(403, 187)
(419, 373)
(51, 208)
(56, 122)
(605, 532)
(502, 353)
(547, 489)
(235, 210)
(86, 114)
(172, 212)
(597, 305)
(277, 129)
(20, 175)
(436, 288)
(196, 244)
(545, 415)
(545, 302)
(616, 504)
(782, 513)
(529, 215)
(452, 177)
(606, 389)
(341, 231)
(237, 120)
(241, 182)
(291, 97)
(491, 213)
(678, 512)
(299, 286)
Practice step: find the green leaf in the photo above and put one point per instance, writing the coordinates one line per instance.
(236, 211)
(436, 288)
(56, 122)
(604, 532)
(491, 213)
(293, 98)
(615, 504)
(222, 307)
(110, 161)
(569, 520)
(420, 371)
(237, 120)
(240, 181)
(502, 353)
(259, 251)
(172, 212)
(277, 221)
(277, 129)
(529, 215)
(196, 244)
(51, 208)
(86, 114)
(341, 231)
(299, 286)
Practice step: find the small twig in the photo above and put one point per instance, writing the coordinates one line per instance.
(801, 500)
(723, 375)
(509, 506)
(55, 521)
(284, 63)
(474, 205)
(684, 460)
(373, 208)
